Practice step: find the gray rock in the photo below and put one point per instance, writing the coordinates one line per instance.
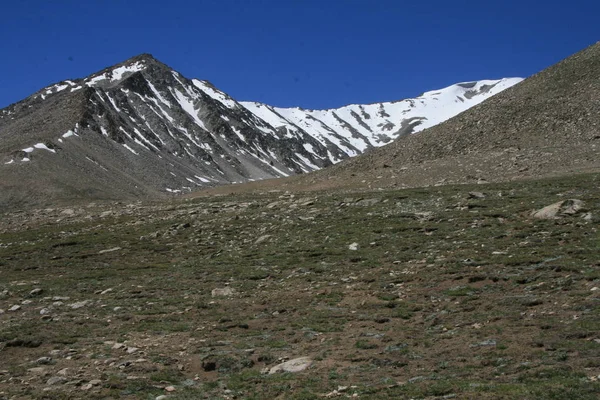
(55, 380)
(485, 343)
(367, 202)
(476, 195)
(44, 360)
(559, 209)
(261, 239)
(109, 250)
(295, 365)
(79, 304)
(36, 292)
(37, 370)
(222, 292)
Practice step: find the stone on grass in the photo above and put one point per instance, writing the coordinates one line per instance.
(559, 209)
(55, 380)
(261, 239)
(221, 292)
(476, 195)
(109, 250)
(295, 365)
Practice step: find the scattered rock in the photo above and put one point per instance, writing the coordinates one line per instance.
(476, 195)
(588, 217)
(222, 292)
(353, 246)
(44, 360)
(262, 239)
(559, 209)
(109, 250)
(273, 204)
(79, 304)
(485, 343)
(170, 388)
(14, 308)
(36, 292)
(55, 380)
(367, 202)
(37, 370)
(295, 365)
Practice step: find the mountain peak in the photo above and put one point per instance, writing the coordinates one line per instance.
(172, 134)
(142, 57)
(124, 69)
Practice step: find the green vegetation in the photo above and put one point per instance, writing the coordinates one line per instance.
(445, 295)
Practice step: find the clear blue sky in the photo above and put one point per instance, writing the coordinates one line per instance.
(308, 53)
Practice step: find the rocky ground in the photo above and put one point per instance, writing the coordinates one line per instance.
(442, 292)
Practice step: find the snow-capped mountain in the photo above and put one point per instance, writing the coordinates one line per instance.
(355, 128)
(141, 128)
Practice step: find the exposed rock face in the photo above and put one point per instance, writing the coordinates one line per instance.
(142, 130)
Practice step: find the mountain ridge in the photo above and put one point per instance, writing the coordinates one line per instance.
(548, 125)
(140, 129)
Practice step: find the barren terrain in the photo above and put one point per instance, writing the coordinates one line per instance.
(440, 292)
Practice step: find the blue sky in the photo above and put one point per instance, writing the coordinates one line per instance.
(308, 53)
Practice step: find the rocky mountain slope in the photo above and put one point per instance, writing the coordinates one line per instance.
(547, 125)
(141, 130)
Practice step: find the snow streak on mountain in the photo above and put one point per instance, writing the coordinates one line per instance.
(142, 127)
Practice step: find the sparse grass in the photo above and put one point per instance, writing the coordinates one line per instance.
(419, 303)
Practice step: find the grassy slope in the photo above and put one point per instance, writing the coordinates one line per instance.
(445, 295)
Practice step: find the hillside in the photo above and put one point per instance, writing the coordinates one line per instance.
(141, 130)
(547, 125)
(435, 293)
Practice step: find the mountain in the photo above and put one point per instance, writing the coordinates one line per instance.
(548, 125)
(140, 129)
(356, 128)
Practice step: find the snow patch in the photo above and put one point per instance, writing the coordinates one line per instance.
(43, 146)
(130, 149)
(188, 107)
(215, 94)
(69, 134)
